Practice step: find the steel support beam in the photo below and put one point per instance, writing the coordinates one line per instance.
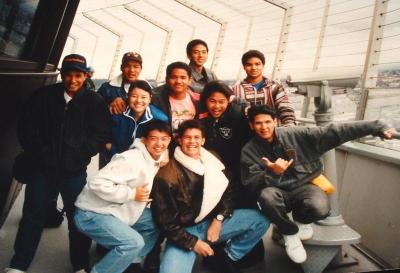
(167, 42)
(370, 73)
(321, 35)
(113, 31)
(249, 28)
(142, 34)
(75, 43)
(171, 14)
(96, 40)
(281, 50)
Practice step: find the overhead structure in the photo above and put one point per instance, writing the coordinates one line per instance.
(115, 32)
(164, 53)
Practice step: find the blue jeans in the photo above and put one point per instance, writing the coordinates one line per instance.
(242, 231)
(38, 193)
(127, 244)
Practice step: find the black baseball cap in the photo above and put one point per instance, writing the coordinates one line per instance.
(74, 62)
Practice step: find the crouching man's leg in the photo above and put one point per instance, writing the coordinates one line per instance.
(147, 228)
(309, 204)
(124, 242)
(274, 204)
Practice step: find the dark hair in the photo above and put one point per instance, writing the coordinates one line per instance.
(260, 110)
(212, 87)
(194, 43)
(158, 125)
(191, 124)
(252, 54)
(180, 65)
(141, 85)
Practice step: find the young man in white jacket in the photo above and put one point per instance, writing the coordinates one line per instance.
(112, 208)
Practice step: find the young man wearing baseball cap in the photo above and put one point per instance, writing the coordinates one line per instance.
(115, 92)
(61, 127)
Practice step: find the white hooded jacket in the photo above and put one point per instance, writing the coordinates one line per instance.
(113, 189)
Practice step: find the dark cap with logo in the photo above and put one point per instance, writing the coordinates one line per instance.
(74, 62)
(132, 56)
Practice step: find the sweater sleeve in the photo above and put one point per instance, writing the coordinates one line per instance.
(116, 182)
(283, 106)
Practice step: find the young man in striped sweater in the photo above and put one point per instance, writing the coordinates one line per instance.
(257, 89)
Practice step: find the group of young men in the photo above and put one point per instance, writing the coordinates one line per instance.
(206, 166)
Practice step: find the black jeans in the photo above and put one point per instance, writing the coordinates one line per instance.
(38, 192)
(308, 203)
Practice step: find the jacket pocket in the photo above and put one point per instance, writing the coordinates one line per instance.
(308, 167)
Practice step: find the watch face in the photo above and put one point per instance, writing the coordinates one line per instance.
(220, 217)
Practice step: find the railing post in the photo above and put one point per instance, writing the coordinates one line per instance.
(369, 76)
(324, 116)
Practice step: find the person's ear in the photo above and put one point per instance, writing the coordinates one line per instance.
(203, 140)
(251, 125)
(179, 141)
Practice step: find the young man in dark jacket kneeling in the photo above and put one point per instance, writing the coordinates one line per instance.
(193, 206)
(279, 163)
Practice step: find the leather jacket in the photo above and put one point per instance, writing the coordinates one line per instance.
(177, 197)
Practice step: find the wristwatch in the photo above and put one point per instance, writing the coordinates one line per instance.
(220, 217)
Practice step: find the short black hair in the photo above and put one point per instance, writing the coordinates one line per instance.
(212, 87)
(194, 43)
(253, 54)
(180, 65)
(144, 85)
(158, 125)
(191, 124)
(260, 110)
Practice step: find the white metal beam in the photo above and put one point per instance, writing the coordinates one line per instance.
(115, 32)
(142, 34)
(222, 29)
(167, 42)
(369, 76)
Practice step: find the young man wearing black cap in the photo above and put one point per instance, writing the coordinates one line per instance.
(61, 127)
(115, 92)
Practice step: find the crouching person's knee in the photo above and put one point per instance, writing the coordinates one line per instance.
(316, 208)
(270, 196)
(132, 247)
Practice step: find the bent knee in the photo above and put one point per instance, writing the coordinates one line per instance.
(318, 207)
(270, 195)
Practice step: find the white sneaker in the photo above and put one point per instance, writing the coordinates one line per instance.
(294, 248)
(305, 231)
(81, 271)
(12, 270)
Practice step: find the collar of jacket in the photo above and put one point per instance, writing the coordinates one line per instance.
(138, 144)
(78, 95)
(117, 81)
(267, 82)
(147, 115)
(198, 76)
(195, 97)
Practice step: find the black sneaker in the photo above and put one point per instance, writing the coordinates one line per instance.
(226, 265)
(134, 268)
(152, 261)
